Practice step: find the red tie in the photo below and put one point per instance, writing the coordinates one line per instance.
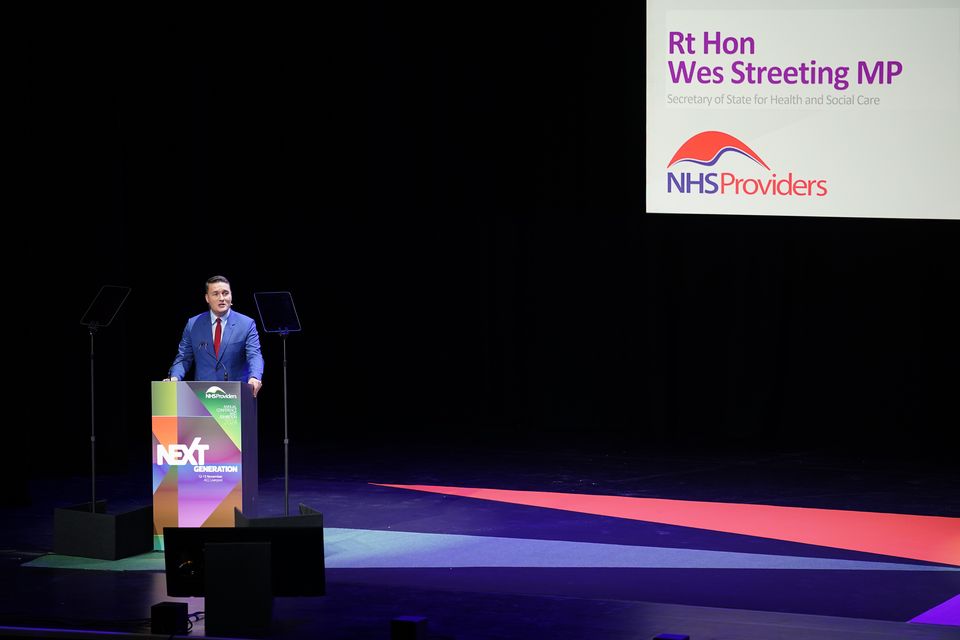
(216, 339)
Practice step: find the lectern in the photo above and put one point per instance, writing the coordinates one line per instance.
(204, 454)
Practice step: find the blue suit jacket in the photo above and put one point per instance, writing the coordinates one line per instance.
(240, 357)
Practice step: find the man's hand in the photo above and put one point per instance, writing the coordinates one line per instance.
(254, 386)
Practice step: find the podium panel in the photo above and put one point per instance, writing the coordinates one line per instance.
(204, 454)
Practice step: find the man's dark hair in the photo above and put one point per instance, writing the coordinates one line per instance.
(210, 281)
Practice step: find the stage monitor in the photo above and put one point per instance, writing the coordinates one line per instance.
(297, 564)
(847, 108)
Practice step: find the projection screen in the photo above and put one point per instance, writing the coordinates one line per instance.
(843, 108)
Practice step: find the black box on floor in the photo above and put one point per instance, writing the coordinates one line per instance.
(169, 619)
(408, 628)
(94, 533)
(239, 592)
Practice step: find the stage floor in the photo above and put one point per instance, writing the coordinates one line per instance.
(547, 542)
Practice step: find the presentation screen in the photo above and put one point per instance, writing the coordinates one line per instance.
(845, 108)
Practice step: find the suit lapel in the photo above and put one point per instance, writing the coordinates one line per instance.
(202, 336)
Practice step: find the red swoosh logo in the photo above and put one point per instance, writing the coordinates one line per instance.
(707, 146)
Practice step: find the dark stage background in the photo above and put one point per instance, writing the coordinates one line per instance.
(454, 196)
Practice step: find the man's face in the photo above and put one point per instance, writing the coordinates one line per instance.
(219, 298)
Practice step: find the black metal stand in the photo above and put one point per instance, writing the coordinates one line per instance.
(278, 315)
(86, 530)
(286, 433)
(93, 428)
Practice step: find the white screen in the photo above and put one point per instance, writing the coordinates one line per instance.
(843, 108)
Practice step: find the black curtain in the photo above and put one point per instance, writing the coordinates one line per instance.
(454, 196)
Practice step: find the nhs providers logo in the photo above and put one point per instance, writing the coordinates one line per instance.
(216, 393)
(707, 148)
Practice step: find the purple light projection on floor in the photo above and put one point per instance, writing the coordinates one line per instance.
(947, 613)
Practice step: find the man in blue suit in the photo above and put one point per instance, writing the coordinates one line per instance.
(222, 343)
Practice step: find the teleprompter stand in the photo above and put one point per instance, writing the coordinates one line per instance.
(86, 529)
(278, 315)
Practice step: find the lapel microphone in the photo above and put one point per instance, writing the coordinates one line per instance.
(226, 376)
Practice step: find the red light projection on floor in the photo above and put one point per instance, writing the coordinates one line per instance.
(928, 538)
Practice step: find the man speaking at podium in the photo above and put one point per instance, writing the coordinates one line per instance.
(223, 344)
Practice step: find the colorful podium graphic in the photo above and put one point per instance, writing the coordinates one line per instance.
(204, 453)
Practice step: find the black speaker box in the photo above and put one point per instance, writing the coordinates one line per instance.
(239, 593)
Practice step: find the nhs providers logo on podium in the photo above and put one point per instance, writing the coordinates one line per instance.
(706, 150)
(216, 393)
